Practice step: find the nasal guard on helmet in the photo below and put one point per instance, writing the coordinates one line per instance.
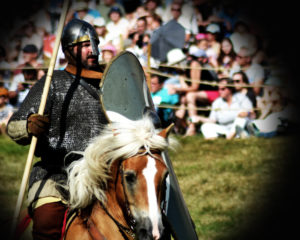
(77, 31)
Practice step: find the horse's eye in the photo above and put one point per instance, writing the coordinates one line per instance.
(130, 177)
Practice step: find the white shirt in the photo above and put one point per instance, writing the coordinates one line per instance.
(225, 114)
(117, 29)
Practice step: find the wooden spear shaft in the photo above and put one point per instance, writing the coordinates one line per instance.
(40, 111)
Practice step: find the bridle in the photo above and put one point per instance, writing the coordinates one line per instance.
(129, 232)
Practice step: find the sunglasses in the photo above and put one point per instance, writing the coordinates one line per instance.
(176, 9)
(222, 89)
(237, 81)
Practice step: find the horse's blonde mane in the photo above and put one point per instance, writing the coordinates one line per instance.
(88, 176)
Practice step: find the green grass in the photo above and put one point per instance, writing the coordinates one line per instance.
(226, 184)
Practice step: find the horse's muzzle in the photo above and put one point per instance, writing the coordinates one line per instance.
(144, 230)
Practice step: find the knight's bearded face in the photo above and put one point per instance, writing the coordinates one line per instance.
(82, 54)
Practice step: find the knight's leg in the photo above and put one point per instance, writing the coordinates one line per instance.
(48, 221)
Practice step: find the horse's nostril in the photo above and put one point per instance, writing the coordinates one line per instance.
(144, 234)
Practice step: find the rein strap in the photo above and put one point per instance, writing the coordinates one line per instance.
(126, 232)
(93, 231)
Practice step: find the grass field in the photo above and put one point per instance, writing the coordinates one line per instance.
(230, 187)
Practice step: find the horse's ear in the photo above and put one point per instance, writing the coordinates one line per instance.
(166, 131)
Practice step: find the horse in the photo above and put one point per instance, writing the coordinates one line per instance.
(118, 187)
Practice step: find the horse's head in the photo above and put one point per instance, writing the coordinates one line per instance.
(141, 190)
(124, 170)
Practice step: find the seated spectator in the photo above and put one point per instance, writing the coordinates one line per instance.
(175, 60)
(226, 57)
(213, 32)
(30, 56)
(272, 99)
(6, 110)
(104, 7)
(154, 6)
(278, 114)
(139, 29)
(21, 84)
(143, 54)
(99, 25)
(160, 96)
(254, 71)
(182, 12)
(241, 83)
(117, 27)
(228, 114)
(31, 37)
(107, 53)
(131, 45)
(81, 10)
(242, 37)
(205, 94)
(154, 21)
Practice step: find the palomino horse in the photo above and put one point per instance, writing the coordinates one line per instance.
(119, 184)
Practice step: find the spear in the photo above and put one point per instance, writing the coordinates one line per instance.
(41, 112)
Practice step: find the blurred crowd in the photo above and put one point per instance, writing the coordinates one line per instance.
(208, 67)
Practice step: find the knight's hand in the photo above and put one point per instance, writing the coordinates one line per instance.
(37, 124)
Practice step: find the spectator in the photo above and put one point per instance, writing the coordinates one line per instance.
(160, 95)
(139, 29)
(143, 56)
(254, 71)
(226, 110)
(31, 37)
(6, 110)
(117, 27)
(278, 114)
(30, 56)
(183, 13)
(201, 42)
(175, 59)
(205, 94)
(82, 11)
(131, 44)
(21, 84)
(154, 6)
(99, 25)
(105, 6)
(241, 83)
(213, 32)
(107, 53)
(205, 13)
(242, 37)
(226, 57)
(154, 21)
(272, 99)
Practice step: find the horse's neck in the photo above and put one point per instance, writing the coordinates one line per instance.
(109, 218)
(114, 209)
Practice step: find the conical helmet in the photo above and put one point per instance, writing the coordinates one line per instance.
(77, 31)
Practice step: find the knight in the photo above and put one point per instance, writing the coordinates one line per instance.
(73, 115)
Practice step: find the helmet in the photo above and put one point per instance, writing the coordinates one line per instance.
(77, 31)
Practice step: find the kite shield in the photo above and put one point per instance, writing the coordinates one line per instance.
(124, 93)
(124, 88)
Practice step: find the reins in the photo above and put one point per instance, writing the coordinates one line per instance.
(127, 232)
